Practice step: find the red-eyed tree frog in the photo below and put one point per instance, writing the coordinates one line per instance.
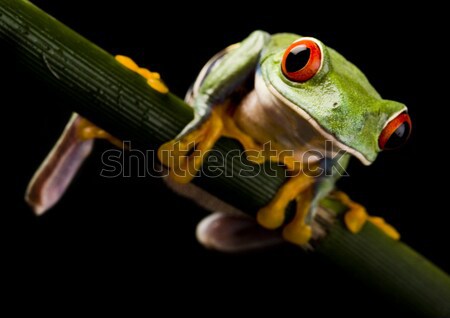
(296, 94)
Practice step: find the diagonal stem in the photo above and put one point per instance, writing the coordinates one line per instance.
(96, 86)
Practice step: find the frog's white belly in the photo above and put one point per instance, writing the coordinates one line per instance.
(267, 119)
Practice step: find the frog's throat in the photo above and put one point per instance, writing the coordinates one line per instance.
(266, 92)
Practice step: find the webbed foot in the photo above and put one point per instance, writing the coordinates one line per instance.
(357, 216)
(184, 155)
(153, 78)
(272, 215)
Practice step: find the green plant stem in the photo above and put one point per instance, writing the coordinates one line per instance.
(120, 101)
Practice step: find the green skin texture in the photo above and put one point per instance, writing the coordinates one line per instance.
(339, 98)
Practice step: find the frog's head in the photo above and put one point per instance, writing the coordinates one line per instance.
(320, 85)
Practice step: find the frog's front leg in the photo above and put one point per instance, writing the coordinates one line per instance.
(218, 80)
(184, 156)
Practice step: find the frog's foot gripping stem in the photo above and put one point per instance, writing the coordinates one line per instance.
(357, 216)
(184, 156)
(62, 163)
(153, 78)
(272, 216)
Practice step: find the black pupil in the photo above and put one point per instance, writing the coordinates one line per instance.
(297, 58)
(399, 136)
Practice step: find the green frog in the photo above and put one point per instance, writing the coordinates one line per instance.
(299, 95)
(312, 107)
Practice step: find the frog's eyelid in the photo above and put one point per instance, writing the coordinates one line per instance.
(393, 116)
(321, 47)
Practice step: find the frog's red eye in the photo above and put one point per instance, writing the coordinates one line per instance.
(396, 132)
(302, 60)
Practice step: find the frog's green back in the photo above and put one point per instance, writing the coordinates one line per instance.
(339, 98)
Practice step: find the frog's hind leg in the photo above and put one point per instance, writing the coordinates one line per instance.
(234, 233)
(57, 171)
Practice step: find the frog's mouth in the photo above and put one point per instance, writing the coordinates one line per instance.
(267, 93)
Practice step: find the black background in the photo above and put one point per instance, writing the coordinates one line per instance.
(108, 237)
